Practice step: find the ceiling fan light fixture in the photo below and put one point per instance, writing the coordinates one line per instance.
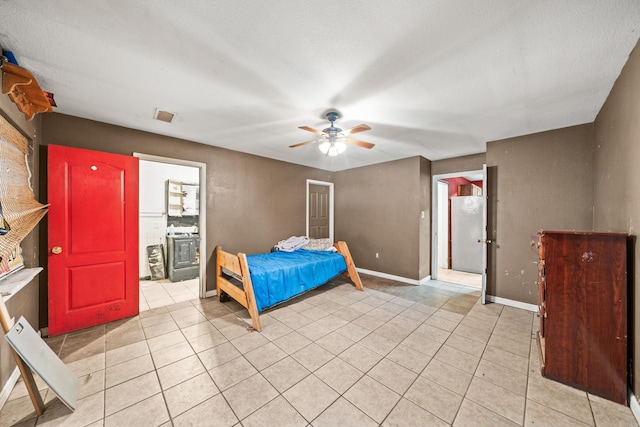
(324, 147)
(332, 149)
(333, 140)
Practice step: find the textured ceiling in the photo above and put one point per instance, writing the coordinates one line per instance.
(434, 78)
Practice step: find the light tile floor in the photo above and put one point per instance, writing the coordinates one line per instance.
(160, 293)
(460, 277)
(393, 355)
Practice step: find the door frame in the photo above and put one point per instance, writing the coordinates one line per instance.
(331, 205)
(485, 230)
(434, 221)
(438, 183)
(202, 217)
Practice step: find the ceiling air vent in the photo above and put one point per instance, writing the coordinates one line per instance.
(164, 116)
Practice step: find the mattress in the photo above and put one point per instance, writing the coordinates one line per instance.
(279, 276)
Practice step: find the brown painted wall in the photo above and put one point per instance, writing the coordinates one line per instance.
(543, 181)
(252, 202)
(458, 164)
(378, 210)
(424, 266)
(25, 302)
(617, 178)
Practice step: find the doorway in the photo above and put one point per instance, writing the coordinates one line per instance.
(172, 231)
(319, 209)
(457, 229)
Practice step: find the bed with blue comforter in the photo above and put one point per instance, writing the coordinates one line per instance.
(279, 276)
(263, 280)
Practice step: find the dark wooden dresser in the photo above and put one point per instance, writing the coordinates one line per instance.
(583, 311)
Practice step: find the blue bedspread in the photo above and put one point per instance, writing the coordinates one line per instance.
(278, 276)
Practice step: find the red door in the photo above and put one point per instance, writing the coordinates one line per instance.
(93, 238)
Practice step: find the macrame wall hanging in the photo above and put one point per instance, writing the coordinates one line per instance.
(20, 211)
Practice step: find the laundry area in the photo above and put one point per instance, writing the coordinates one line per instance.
(169, 233)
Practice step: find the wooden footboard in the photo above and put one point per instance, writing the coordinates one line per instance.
(351, 267)
(233, 279)
(238, 284)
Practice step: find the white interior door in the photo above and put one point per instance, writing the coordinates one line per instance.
(329, 186)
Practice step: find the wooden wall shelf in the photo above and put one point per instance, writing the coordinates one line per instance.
(12, 283)
(24, 90)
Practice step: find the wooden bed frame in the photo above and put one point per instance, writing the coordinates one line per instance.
(235, 280)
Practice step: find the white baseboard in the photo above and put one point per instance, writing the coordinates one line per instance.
(8, 387)
(392, 277)
(512, 303)
(425, 280)
(212, 293)
(634, 406)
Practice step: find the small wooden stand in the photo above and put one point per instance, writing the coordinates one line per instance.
(24, 90)
(25, 371)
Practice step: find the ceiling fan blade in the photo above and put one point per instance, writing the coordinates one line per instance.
(312, 130)
(357, 129)
(301, 144)
(362, 144)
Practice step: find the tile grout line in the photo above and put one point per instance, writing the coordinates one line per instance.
(384, 357)
(312, 373)
(474, 373)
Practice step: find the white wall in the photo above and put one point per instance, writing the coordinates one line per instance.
(153, 215)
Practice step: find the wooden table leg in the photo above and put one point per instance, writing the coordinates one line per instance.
(25, 371)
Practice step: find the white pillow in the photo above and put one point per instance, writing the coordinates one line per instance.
(319, 245)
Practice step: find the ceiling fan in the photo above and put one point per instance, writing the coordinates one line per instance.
(333, 139)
